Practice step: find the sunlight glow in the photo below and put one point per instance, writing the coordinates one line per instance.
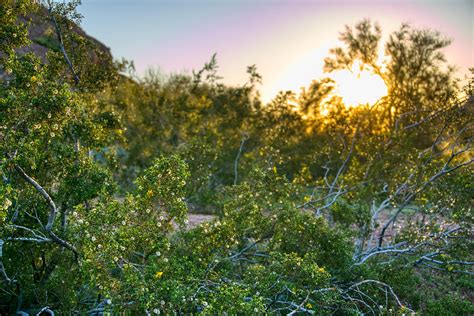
(300, 71)
(358, 87)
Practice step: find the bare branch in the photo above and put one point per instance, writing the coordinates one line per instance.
(45, 310)
(52, 213)
(236, 161)
(44, 194)
(384, 285)
(61, 43)
(387, 250)
(300, 307)
(3, 273)
(334, 191)
(446, 169)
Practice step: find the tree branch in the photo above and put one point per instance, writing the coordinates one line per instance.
(53, 210)
(61, 43)
(44, 194)
(3, 273)
(236, 161)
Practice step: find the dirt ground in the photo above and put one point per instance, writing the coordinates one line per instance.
(196, 219)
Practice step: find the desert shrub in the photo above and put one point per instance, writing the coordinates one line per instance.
(318, 208)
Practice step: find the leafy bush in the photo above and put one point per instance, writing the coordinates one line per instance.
(317, 209)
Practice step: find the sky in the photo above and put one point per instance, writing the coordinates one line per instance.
(286, 39)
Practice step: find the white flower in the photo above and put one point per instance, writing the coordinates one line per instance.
(148, 211)
(7, 203)
(124, 223)
(204, 304)
(158, 253)
(108, 302)
(74, 213)
(93, 238)
(158, 224)
(161, 217)
(162, 302)
(156, 311)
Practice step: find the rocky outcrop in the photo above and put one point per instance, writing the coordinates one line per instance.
(41, 32)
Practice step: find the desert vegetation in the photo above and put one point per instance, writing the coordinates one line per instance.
(317, 207)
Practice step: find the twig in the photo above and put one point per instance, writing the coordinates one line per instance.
(236, 161)
(61, 43)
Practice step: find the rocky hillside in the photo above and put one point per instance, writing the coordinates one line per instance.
(43, 36)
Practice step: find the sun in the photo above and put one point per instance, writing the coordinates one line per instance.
(358, 87)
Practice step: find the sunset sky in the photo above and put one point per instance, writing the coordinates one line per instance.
(287, 40)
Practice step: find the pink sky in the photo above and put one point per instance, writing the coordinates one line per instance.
(285, 39)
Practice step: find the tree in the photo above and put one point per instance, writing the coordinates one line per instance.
(49, 122)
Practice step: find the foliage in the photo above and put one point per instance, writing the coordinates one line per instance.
(317, 208)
